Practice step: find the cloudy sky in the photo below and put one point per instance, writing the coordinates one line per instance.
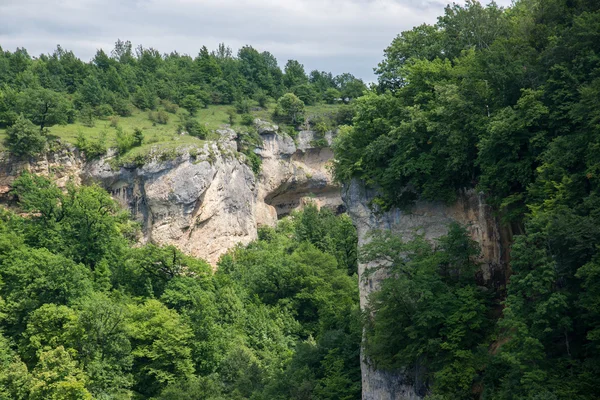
(332, 35)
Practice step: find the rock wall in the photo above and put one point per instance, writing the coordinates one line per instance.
(432, 220)
(205, 202)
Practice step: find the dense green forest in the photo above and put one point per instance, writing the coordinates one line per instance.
(135, 97)
(85, 314)
(507, 102)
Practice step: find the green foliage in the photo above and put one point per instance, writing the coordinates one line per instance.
(193, 128)
(503, 101)
(247, 119)
(57, 376)
(429, 314)
(290, 109)
(92, 149)
(85, 315)
(24, 139)
(232, 115)
(159, 117)
(242, 106)
(331, 95)
(43, 107)
(191, 103)
(87, 116)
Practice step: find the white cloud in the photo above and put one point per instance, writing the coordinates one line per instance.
(335, 35)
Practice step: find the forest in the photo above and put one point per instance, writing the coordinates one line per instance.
(502, 100)
(505, 101)
(88, 315)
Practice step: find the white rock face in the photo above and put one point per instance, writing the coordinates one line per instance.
(208, 203)
(432, 220)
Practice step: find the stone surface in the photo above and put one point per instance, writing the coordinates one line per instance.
(203, 204)
(432, 220)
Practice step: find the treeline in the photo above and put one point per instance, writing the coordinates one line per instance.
(506, 101)
(85, 314)
(59, 87)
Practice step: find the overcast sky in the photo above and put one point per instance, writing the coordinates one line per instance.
(331, 35)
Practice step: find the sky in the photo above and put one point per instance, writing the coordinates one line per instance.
(330, 35)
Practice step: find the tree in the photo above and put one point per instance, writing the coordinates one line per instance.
(91, 91)
(306, 92)
(290, 108)
(161, 347)
(232, 115)
(24, 139)
(43, 107)
(57, 377)
(15, 380)
(331, 95)
(191, 103)
(294, 74)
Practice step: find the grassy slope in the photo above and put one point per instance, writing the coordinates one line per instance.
(161, 136)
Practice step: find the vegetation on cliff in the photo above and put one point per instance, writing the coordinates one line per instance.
(505, 101)
(86, 314)
(162, 95)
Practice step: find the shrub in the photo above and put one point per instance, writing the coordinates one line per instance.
(122, 107)
(113, 121)
(262, 98)
(344, 115)
(242, 106)
(191, 103)
(91, 149)
(125, 141)
(159, 117)
(193, 128)
(247, 119)
(232, 115)
(306, 92)
(104, 111)
(331, 95)
(169, 106)
(290, 108)
(138, 137)
(144, 98)
(87, 116)
(25, 139)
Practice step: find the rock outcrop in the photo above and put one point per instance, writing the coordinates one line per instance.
(206, 200)
(430, 219)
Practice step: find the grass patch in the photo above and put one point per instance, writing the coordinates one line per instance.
(214, 117)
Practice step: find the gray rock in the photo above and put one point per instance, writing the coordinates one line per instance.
(430, 219)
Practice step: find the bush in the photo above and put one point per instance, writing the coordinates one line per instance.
(247, 119)
(25, 139)
(169, 106)
(306, 92)
(159, 117)
(242, 106)
(232, 115)
(331, 95)
(191, 103)
(344, 115)
(113, 121)
(104, 111)
(91, 149)
(193, 128)
(87, 116)
(262, 98)
(144, 98)
(125, 141)
(138, 137)
(122, 107)
(290, 109)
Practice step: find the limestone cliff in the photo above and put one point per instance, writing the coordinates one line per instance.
(432, 220)
(207, 200)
